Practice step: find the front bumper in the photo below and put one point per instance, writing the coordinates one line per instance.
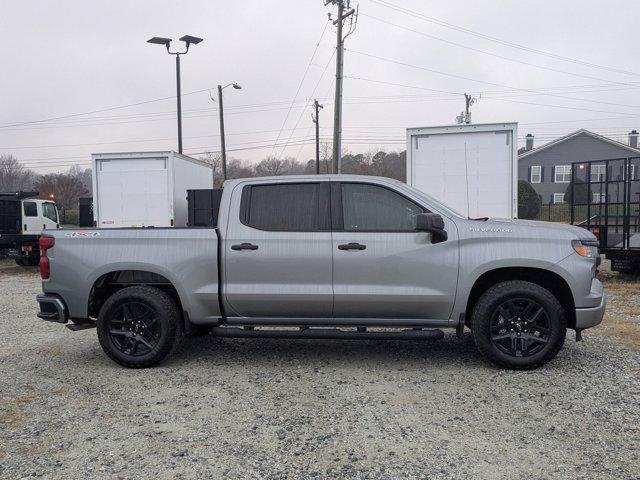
(52, 308)
(592, 316)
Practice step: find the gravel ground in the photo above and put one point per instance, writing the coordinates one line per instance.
(224, 408)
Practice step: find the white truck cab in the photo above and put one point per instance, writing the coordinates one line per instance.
(23, 219)
(39, 215)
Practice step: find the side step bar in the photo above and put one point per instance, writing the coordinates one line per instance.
(328, 333)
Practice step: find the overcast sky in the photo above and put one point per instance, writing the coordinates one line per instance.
(403, 69)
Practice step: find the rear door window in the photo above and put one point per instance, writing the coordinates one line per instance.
(30, 209)
(286, 207)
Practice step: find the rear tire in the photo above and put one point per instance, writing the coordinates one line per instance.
(20, 262)
(518, 325)
(137, 326)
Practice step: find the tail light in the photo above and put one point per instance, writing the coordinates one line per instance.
(45, 244)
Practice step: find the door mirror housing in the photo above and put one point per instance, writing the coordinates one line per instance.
(432, 223)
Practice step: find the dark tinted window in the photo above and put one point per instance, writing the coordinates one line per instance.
(378, 209)
(49, 211)
(30, 209)
(284, 207)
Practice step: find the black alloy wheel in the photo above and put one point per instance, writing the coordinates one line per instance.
(520, 327)
(134, 329)
(138, 326)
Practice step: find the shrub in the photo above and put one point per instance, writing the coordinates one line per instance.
(528, 201)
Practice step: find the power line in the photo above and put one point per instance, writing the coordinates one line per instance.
(100, 110)
(311, 95)
(522, 62)
(492, 83)
(304, 76)
(442, 23)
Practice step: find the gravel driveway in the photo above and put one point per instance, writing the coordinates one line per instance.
(229, 408)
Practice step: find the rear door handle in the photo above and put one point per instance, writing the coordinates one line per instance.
(244, 246)
(352, 246)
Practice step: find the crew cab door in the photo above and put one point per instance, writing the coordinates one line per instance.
(383, 267)
(277, 251)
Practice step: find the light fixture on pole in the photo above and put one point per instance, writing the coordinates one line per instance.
(188, 40)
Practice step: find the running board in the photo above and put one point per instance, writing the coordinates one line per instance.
(328, 333)
(81, 326)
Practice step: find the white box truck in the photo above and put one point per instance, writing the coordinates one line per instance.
(145, 189)
(472, 168)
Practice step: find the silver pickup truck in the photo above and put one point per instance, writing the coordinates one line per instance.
(326, 257)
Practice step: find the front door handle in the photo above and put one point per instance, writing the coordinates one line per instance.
(244, 246)
(352, 246)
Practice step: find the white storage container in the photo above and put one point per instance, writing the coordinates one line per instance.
(471, 168)
(145, 189)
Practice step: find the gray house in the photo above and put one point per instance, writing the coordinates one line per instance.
(548, 168)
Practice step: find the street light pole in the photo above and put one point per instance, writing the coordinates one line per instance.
(189, 40)
(179, 97)
(223, 147)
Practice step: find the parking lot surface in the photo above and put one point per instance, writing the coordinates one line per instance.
(234, 408)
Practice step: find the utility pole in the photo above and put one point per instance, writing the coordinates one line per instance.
(468, 100)
(343, 15)
(465, 117)
(316, 120)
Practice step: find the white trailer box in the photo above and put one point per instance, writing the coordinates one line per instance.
(145, 189)
(471, 168)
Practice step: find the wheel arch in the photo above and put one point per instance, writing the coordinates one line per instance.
(547, 279)
(108, 283)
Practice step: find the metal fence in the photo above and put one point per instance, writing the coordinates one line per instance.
(555, 212)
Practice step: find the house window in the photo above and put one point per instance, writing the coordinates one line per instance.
(563, 174)
(632, 171)
(558, 198)
(598, 173)
(536, 174)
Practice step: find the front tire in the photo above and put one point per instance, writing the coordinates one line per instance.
(518, 325)
(137, 326)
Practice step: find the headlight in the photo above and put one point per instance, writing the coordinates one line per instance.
(585, 248)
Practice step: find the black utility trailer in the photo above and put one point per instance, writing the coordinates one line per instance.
(85, 212)
(605, 199)
(14, 243)
(203, 206)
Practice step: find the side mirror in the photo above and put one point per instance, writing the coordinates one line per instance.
(432, 223)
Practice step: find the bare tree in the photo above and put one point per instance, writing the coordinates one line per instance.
(270, 166)
(84, 175)
(215, 160)
(66, 189)
(14, 176)
(235, 168)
